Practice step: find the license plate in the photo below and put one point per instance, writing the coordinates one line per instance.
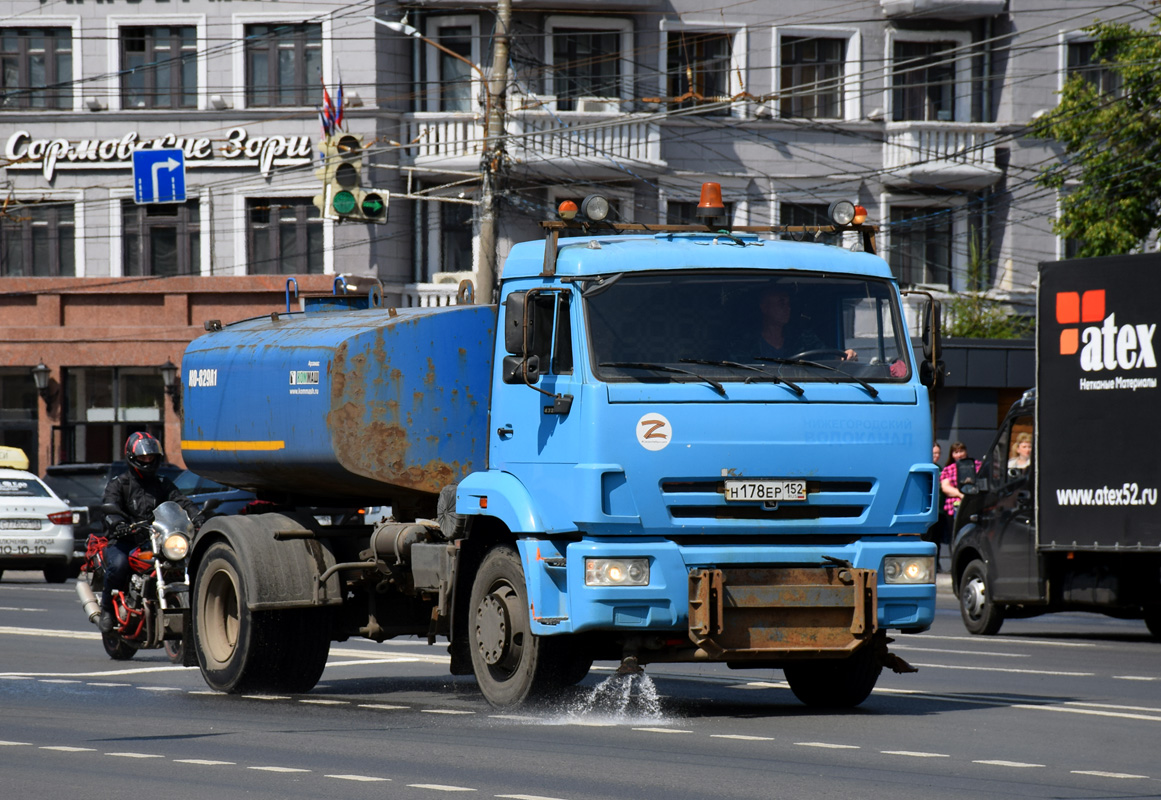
(19, 524)
(765, 491)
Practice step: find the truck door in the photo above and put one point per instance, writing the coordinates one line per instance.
(1009, 513)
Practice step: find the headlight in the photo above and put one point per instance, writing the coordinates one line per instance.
(175, 547)
(616, 572)
(909, 569)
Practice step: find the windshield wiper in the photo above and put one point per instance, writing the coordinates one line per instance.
(791, 385)
(717, 387)
(871, 390)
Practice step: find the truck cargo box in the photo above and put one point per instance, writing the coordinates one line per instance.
(355, 406)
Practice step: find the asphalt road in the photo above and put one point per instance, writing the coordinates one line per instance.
(1063, 706)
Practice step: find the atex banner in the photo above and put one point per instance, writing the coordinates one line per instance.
(1098, 458)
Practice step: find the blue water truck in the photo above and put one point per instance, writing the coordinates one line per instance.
(620, 461)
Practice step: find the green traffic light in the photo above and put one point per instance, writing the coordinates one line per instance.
(343, 203)
(373, 206)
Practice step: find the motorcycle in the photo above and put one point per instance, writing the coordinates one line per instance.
(154, 611)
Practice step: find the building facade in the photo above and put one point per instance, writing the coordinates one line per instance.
(917, 109)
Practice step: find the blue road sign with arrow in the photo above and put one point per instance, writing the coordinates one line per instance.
(159, 176)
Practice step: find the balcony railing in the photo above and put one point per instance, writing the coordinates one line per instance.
(573, 140)
(422, 295)
(943, 9)
(944, 154)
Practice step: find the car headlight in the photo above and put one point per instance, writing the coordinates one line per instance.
(175, 547)
(909, 569)
(616, 572)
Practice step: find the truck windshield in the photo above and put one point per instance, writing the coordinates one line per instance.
(745, 327)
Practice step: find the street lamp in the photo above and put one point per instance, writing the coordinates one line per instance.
(40, 376)
(169, 380)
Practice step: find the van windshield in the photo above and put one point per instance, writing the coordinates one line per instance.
(693, 326)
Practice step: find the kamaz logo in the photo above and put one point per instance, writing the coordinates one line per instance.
(304, 377)
(203, 378)
(1107, 345)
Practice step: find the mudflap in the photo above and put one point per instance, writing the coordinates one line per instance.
(776, 614)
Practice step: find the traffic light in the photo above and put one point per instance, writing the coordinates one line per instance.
(343, 197)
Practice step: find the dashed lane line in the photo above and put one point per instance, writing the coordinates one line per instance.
(828, 745)
(526, 797)
(362, 778)
(325, 702)
(1002, 640)
(134, 755)
(15, 744)
(63, 748)
(444, 711)
(1135, 678)
(1014, 764)
(741, 737)
(914, 754)
(206, 762)
(383, 706)
(661, 730)
(1096, 773)
(439, 787)
(993, 654)
(1009, 670)
(278, 769)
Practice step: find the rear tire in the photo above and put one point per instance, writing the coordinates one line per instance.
(835, 683)
(243, 651)
(981, 615)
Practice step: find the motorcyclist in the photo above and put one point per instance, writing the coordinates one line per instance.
(136, 492)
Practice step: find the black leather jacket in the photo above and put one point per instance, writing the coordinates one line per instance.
(137, 498)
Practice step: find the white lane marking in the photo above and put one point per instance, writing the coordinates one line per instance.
(1110, 705)
(661, 730)
(1000, 763)
(911, 649)
(828, 745)
(159, 689)
(1003, 640)
(439, 787)
(278, 769)
(514, 718)
(102, 674)
(445, 711)
(383, 706)
(760, 685)
(589, 723)
(383, 660)
(913, 754)
(265, 697)
(325, 702)
(205, 762)
(1089, 711)
(58, 680)
(1009, 670)
(109, 684)
(15, 744)
(134, 755)
(1135, 678)
(363, 778)
(741, 737)
(14, 678)
(52, 634)
(64, 748)
(526, 797)
(1101, 774)
(14, 608)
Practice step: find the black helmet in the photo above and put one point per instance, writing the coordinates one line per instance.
(143, 452)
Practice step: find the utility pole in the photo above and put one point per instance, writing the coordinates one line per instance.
(493, 157)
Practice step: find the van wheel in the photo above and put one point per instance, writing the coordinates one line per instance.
(511, 663)
(835, 682)
(981, 615)
(57, 573)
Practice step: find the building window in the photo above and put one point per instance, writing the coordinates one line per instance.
(161, 239)
(1082, 61)
(36, 68)
(455, 76)
(18, 413)
(698, 69)
(585, 63)
(920, 245)
(923, 81)
(102, 406)
(285, 236)
(38, 240)
(283, 65)
(807, 214)
(812, 77)
(455, 237)
(159, 67)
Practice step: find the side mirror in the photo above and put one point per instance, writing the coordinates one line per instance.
(517, 369)
(969, 489)
(932, 345)
(514, 323)
(931, 375)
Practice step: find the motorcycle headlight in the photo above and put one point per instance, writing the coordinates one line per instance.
(909, 569)
(175, 547)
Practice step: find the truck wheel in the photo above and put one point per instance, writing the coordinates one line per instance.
(835, 683)
(981, 615)
(242, 651)
(117, 648)
(1153, 621)
(57, 573)
(506, 655)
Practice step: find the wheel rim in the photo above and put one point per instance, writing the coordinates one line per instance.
(220, 617)
(499, 642)
(974, 598)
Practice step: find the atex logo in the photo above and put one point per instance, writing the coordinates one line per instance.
(1106, 345)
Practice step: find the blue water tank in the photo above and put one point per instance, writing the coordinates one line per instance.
(341, 406)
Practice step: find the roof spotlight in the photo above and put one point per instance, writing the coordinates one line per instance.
(595, 207)
(841, 212)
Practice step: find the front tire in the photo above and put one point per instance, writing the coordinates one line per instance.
(509, 661)
(243, 651)
(981, 615)
(835, 683)
(117, 648)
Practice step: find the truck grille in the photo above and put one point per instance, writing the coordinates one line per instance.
(826, 499)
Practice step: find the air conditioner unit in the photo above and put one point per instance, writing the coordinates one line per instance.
(598, 105)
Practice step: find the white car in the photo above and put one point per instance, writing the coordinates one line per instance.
(36, 527)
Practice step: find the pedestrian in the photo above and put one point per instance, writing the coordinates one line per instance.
(961, 470)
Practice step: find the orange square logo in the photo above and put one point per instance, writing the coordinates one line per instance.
(1069, 341)
(1092, 306)
(1068, 308)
